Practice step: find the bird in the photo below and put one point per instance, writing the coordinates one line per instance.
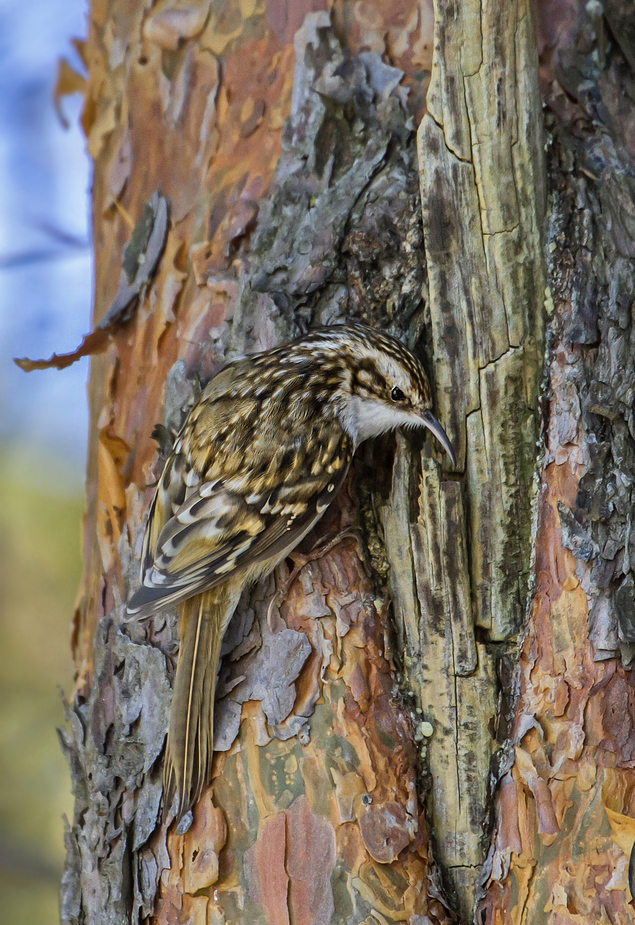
(257, 461)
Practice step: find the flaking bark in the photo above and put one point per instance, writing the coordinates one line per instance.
(292, 180)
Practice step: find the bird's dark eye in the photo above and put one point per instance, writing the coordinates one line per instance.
(397, 395)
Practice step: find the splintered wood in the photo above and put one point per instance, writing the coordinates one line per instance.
(483, 200)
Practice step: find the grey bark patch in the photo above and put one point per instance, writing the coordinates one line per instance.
(593, 230)
(602, 628)
(347, 160)
(71, 888)
(180, 394)
(226, 724)
(117, 790)
(625, 606)
(574, 536)
(271, 671)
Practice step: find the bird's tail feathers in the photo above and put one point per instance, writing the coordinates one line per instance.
(190, 745)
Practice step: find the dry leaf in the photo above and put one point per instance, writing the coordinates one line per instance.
(68, 81)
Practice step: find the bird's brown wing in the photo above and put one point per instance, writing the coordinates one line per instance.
(238, 519)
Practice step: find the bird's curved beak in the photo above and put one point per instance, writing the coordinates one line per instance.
(435, 428)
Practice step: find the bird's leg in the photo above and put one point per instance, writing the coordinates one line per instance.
(276, 598)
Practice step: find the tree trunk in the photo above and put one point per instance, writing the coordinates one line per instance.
(499, 769)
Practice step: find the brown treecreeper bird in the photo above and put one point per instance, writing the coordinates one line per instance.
(258, 460)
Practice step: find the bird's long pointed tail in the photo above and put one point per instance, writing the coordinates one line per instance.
(190, 746)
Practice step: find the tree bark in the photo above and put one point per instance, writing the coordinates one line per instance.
(430, 713)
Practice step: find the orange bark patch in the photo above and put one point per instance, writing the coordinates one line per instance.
(267, 878)
(290, 865)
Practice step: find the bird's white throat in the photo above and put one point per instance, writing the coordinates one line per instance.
(364, 418)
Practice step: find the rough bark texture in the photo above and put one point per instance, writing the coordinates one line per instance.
(292, 182)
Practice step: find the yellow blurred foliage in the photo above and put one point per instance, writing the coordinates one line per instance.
(39, 575)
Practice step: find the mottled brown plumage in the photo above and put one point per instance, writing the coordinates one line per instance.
(255, 465)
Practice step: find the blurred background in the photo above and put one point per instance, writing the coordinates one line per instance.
(45, 300)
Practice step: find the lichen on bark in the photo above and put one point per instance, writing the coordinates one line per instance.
(466, 536)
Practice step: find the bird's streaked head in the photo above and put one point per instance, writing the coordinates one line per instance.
(384, 386)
